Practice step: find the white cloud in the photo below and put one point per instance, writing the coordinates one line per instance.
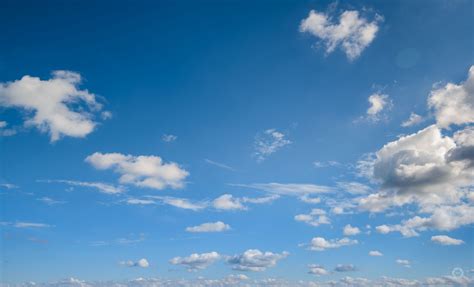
(196, 261)
(138, 201)
(425, 168)
(297, 189)
(269, 142)
(378, 103)
(353, 187)
(307, 199)
(100, 186)
(331, 163)
(255, 260)
(454, 103)
(55, 106)
(321, 244)
(350, 230)
(141, 171)
(228, 202)
(143, 263)
(260, 200)
(413, 120)
(168, 138)
(315, 218)
(404, 263)
(352, 33)
(217, 226)
(446, 240)
(317, 270)
(375, 253)
(8, 185)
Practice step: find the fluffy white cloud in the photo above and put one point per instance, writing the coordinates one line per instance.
(375, 253)
(352, 33)
(269, 142)
(141, 171)
(403, 262)
(446, 240)
(321, 244)
(315, 218)
(217, 226)
(56, 106)
(378, 103)
(255, 260)
(414, 119)
(317, 270)
(454, 103)
(228, 202)
(196, 261)
(350, 230)
(99, 186)
(426, 168)
(143, 263)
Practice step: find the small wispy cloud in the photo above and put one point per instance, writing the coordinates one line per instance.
(218, 164)
(168, 138)
(99, 186)
(269, 142)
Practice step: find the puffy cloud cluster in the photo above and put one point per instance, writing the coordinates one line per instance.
(321, 244)
(413, 120)
(428, 169)
(350, 230)
(141, 171)
(56, 106)
(352, 33)
(317, 270)
(196, 261)
(217, 226)
(269, 142)
(453, 104)
(255, 260)
(315, 218)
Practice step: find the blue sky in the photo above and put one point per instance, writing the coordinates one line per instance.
(304, 141)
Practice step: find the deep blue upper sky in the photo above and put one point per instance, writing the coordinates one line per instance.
(218, 75)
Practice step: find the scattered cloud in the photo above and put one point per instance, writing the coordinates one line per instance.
(453, 104)
(218, 164)
(8, 185)
(321, 244)
(379, 103)
(352, 33)
(196, 261)
(322, 164)
(23, 224)
(255, 260)
(315, 218)
(99, 186)
(375, 253)
(317, 270)
(168, 138)
(345, 268)
(217, 226)
(269, 142)
(141, 171)
(350, 230)
(403, 262)
(56, 106)
(143, 263)
(4, 131)
(446, 240)
(413, 120)
(180, 202)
